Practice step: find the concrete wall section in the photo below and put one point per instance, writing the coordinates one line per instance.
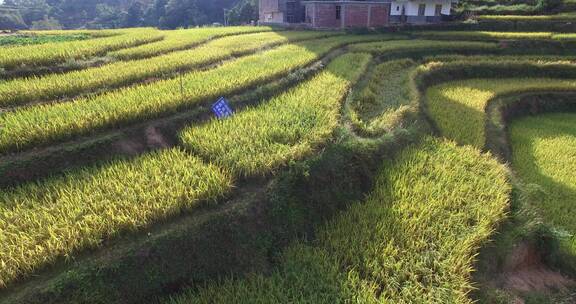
(411, 7)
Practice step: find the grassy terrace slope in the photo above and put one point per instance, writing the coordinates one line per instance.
(182, 39)
(412, 241)
(457, 103)
(54, 53)
(24, 90)
(82, 116)
(544, 153)
(59, 216)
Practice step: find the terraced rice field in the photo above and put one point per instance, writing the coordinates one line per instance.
(326, 185)
(456, 103)
(544, 154)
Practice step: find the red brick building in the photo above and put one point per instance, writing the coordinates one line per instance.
(352, 13)
(345, 14)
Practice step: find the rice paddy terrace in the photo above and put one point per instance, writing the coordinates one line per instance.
(410, 167)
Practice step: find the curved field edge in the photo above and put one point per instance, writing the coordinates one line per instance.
(85, 207)
(184, 38)
(50, 54)
(22, 91)
(391, 247)
(86, 115)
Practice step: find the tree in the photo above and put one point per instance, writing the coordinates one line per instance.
(46, 24)
(106, 17)
(243, 12)
(11, 20)
(183, 13)
(135, 15)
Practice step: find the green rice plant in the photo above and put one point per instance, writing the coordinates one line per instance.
(285, 128)
(543, 149)
(24, 90)
(378, 106)
(181, 39)
(413, 240)
(458, 107)
(44, 124)
(54, 53)
(481, 35)
(565, 37)
(41, 222)
(403, 46)
(12, 40)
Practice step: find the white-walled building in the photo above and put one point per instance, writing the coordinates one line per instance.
(420, 11)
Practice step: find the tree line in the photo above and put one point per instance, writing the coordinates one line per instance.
(96, 14)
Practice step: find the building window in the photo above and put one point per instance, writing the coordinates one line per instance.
(338, 12)
(421, 9)
(291, 12)
(398, 8)
(438, 10)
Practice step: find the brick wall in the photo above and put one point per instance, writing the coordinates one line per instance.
(323, 15)
(356, 15)
(380, 15)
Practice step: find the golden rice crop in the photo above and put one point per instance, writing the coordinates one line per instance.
(23, 90)
(182, 39)
(285, 128)
(47, 123)
(53, 53)
(414, 240)
(93, 33)
(40, 222)
(458, 107)
(420, 45)
(544, 153)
